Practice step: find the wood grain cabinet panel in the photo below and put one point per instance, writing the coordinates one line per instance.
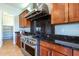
(44, 51)
(64, 13)
(54, 53)
(28, 23)
(47, 48)
(18, 42)
(45, 44)
(75, 52)
(63, 50)
(23, 22)
(59, 13)
(73, 12)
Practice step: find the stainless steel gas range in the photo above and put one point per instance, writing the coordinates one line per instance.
(29, 45)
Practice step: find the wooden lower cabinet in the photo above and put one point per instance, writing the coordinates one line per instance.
(44, 51)
(18, 42)
(54, 53)
(51, 49)
(63, 50)
(75, 52)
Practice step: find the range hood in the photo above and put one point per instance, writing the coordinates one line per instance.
(37, 13)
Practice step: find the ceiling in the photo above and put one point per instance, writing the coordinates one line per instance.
(18, 5)
(14, 8)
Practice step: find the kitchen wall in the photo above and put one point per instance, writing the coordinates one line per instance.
(8, 19)
(16, 23)
(67, 29)
(1, 28)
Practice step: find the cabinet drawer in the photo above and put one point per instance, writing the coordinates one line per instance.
(45, 44)
(52, 46)
(54, 53)
(63, 50)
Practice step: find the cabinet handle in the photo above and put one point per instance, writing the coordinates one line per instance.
(48, 53)
(52, 54)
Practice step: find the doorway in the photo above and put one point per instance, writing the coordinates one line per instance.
(7, 34)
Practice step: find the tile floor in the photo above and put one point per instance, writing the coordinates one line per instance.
(8, 49)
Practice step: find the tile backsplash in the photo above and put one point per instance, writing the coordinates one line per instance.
(67, 29)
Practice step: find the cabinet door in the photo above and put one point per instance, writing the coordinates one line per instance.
(23, 21)
(28, 23)
(20, 21)
(59, 13)
(54, 53)
(44, 51)
(75, 52)
(73, 12)
(18, 43)
(63, 50)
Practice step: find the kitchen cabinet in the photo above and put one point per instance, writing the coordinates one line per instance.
(44, 51)
(63, 50)
(75, 52)
(23, 22)
(64, 13)
(28, 23)
(73, 12)
(18, 42)
(52, 49)
(59, 13)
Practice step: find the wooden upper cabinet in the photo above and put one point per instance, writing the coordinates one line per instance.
(28, 23)
(64, 13)
(20, 21)
(75, 52)
(23, 22)
(59, 13)
(73, 12)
